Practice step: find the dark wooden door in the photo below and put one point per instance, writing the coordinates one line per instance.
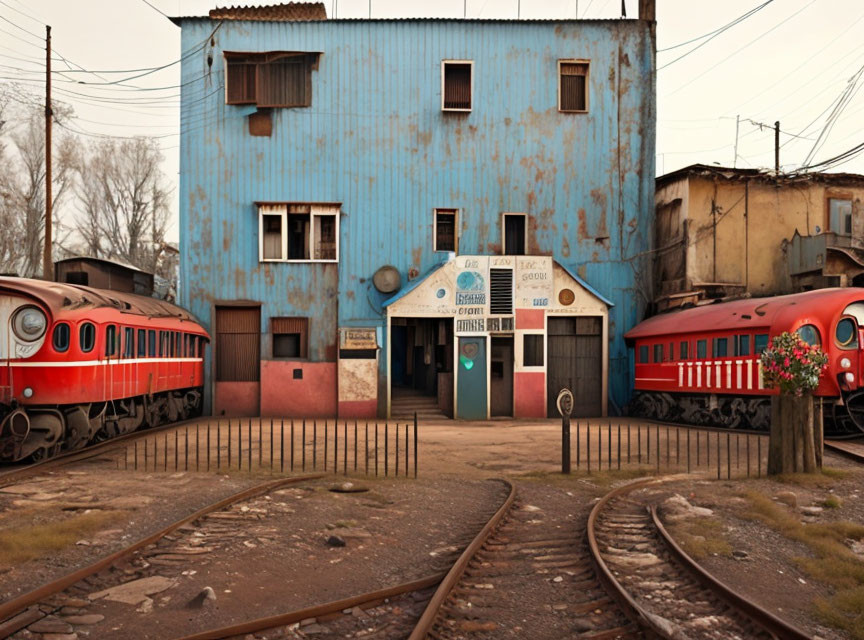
(575, 357)
(501, 377)
(238, 344)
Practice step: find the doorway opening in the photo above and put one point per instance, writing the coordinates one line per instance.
(421, 367)
(501, 376)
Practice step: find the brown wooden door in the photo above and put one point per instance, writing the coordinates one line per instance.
(575, 357)
(501, 377)
(238, 344)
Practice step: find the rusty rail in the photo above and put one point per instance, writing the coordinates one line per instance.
(337, 606)
(424, 625)
(91, 451)
(12, 607)
(765, 619)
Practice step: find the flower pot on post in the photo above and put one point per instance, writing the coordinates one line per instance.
(794, 367)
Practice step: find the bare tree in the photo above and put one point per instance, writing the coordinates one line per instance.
(22, 188)
(124, 202)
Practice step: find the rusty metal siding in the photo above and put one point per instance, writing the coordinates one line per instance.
(375, 139)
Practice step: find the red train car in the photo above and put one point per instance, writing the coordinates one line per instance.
(79, 364)
(701, 365)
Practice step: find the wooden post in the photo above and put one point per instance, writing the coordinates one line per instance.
(795, 443)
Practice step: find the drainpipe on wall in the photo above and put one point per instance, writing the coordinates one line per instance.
(647, 10)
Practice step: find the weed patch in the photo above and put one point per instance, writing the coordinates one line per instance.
(701, 537)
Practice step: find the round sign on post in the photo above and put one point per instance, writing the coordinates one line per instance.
(564, 403)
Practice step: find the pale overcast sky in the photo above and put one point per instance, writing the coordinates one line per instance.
(791, 61)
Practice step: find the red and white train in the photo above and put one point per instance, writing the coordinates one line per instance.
(79, 364)
(701, 365)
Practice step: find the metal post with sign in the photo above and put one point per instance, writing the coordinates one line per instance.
(565, 408)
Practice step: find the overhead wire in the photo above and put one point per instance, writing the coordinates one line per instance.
(718, 30)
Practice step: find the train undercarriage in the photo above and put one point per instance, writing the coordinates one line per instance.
(40, 432)
(843, 418)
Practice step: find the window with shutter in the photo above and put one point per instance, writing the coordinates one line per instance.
(501, 291)
(445, 230)
(273, 79)
(457, 85)
(573, 85)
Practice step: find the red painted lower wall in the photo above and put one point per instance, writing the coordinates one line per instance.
(529, 394)
(236, 399)
(313, 396)
(358, 408)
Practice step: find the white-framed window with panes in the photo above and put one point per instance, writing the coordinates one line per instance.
(298, 232)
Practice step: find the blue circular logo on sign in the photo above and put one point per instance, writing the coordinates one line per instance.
(440, 293)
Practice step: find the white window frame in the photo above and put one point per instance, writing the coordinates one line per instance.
(455, 212)
(444, 64)
(587, 84)
(315, 210)
(504, 232)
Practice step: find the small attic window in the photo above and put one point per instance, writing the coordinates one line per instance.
(457, 85)
(273, 79)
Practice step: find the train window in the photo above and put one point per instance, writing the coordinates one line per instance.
(163, 344)
(142, 343)
(60, 338)
(111, 340)
(128, 342)
(701, 349)
(151, 343)
(720, 347)
(643, 354)
(658, 353)
(178, 345)
(809, 334)
(201, 344)
(846, 333)
(742, 345)
(671, 351)
(684, 350)
(87, 337)
(187, 346)
(760, 343)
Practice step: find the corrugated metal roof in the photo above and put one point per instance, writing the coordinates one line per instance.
(285, 12)
(736, 173)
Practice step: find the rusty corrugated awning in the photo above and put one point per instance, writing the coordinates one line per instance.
(286, 12)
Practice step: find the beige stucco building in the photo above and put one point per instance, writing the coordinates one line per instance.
(726, 232)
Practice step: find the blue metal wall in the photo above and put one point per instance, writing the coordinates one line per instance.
(376, 140)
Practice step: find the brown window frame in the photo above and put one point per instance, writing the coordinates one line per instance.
(454, 63)
(435, 240)
(287, 326)
(253, 93)
(586, 75)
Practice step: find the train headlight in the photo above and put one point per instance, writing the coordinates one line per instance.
(29, 323)
(28, 392)
(850, 377)
(845, 363)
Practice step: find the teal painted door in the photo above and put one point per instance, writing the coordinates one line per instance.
(471, 385)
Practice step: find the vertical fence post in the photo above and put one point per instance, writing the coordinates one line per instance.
(229, 443)
(355, 445)
(136, 455)
(718, 455)
(657, 439)
(146, 456)
(688, 450)
(565, 444)
(639, 444)
(165, 446)
(629, 433)
(314, 444)
(186, 449)
(668, 448)
(219, 445)
(260, 443)
(648, 444)
(415, 444)
(335, 446)
(345, 448)
(208, 444)
(376, 448)
(619, 446)
(271, 445)
(197, 446)
(366, 445)
(239, 444)
(282, 445)
(126, 458)
(588, 443)
(698, 457)
(397, 448)
(578, 444)
(406, 449)
(292, 443)
(748, 455)
(326, 427)
(677, 447)
(759, 456)
(303, 444)
(386, 449)
(249, 448)
(728, 456)
(609, 446)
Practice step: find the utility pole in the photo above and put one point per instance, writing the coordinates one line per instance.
(735, 159)
(777, 147)
(47, 262)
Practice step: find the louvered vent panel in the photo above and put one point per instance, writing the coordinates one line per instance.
(501, 291)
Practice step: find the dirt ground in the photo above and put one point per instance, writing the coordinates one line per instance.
(401, 529)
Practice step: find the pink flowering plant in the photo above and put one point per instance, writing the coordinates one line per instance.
(792, 365)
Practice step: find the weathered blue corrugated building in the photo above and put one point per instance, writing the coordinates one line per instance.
(375, 210)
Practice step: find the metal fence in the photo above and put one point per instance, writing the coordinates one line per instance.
(278, 445)
(605, 445)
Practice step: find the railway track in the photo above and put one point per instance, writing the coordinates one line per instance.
(18, 472)
(661, 587)
(147, 559)
(853, 449)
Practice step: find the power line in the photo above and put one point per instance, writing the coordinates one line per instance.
(156, 9)
(740, 49)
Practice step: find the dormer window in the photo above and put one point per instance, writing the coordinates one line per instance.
(273, 79)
